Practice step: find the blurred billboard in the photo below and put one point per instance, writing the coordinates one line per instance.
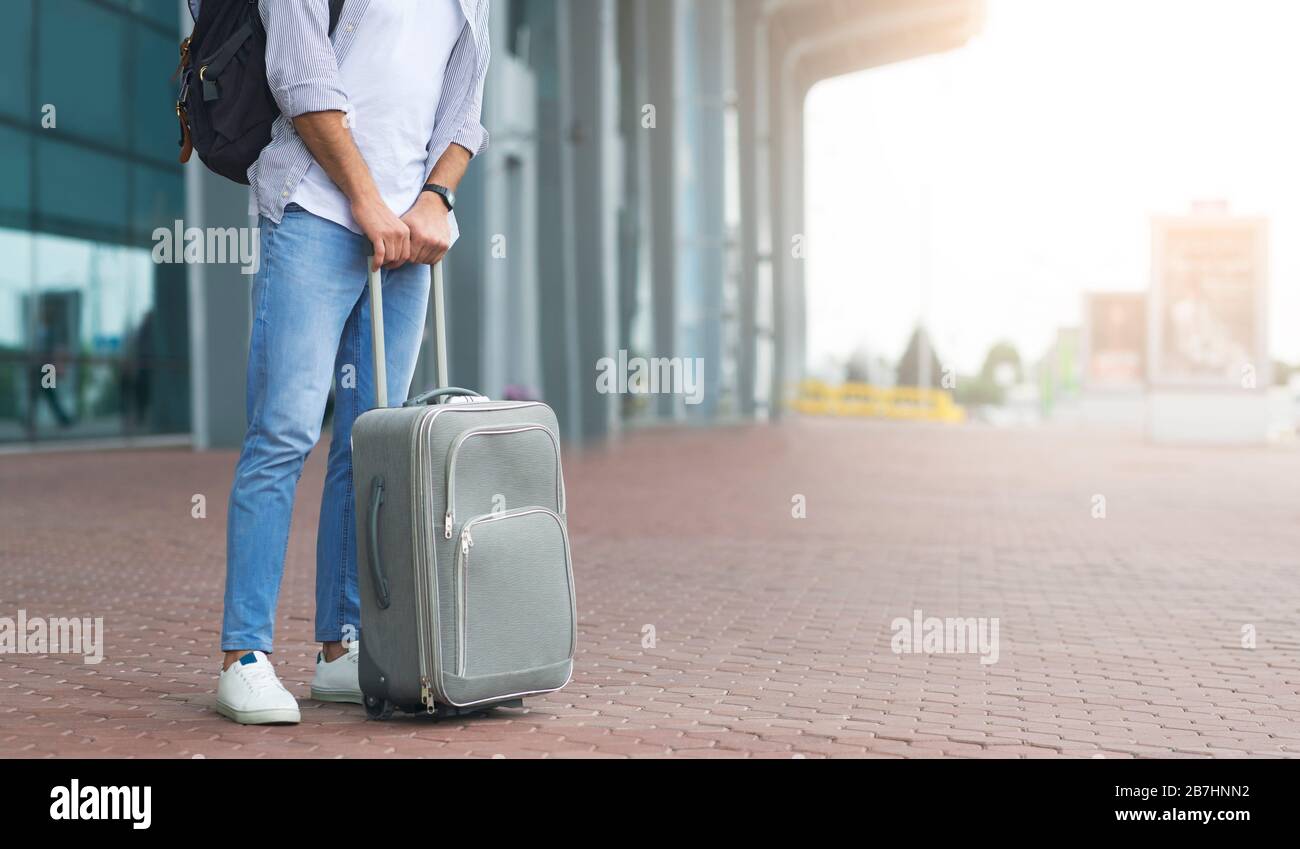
(1208, 301)
(1115, 335)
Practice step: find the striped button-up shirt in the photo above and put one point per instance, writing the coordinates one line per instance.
(302, 68)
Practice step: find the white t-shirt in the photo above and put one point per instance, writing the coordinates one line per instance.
(393, 76)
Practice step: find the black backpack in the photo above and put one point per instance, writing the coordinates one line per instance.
(225, 106)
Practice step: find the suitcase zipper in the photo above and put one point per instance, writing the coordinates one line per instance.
(449, 521)
(462, 573)
(428, 644)
(462, 577)
(426, 639)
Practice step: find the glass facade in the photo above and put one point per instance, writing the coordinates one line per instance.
(94, 337)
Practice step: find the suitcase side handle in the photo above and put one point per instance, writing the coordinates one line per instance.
(430, 398)
(372, 544)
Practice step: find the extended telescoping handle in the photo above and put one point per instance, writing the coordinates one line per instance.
(377, 337)
(377, 332)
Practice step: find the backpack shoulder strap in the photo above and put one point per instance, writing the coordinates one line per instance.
(336, 10)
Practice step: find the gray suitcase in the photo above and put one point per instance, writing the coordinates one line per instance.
(462, 546)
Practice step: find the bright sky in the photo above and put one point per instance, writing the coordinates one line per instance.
(1010, 176)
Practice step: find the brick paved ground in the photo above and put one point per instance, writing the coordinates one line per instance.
(1120, 636)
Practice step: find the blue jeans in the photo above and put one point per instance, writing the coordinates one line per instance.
(311, 330)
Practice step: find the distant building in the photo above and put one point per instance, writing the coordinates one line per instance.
(641, 194)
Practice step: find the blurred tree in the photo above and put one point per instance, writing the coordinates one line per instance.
(1002, 370)
(909, 367)
(975, 391)
(858, 367)
(1002, 366)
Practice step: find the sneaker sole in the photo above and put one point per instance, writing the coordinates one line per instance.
(271, 716)
(352, 697)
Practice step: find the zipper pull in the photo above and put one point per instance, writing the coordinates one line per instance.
(426, 697)
(446, 527)
(466, 543)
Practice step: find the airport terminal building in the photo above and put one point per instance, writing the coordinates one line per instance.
(640, 198)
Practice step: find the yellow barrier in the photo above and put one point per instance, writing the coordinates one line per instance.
(861, 400)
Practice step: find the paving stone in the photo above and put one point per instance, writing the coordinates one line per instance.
(1118, 637)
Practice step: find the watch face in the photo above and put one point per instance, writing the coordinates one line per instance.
(447, 195)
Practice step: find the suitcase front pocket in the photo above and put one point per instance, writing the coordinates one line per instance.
(514, 593)
(496, 469)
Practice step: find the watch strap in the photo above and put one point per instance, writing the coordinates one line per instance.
(447, 195)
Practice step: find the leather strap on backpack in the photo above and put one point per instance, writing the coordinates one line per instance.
(182, 115)
(187, 142)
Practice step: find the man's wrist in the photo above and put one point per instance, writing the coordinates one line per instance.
(368, 196)
(429, 202)
(444, 194)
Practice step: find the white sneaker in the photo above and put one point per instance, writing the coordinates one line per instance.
(338, 680)
(250, 693)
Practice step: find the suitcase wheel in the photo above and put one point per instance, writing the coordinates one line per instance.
(380, 710)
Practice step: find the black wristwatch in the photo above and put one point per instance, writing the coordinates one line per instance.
(447, 195)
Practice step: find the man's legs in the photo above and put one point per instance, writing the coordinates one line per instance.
(406, 300)
(312, 274)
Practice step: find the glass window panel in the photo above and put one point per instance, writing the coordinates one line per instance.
(16, 61)
(98, 400)
(82, 68)
(121, 293)
(153, 397)
(164, 13)
(15, 176)
(114, 325)
(15, 287)
(53, 312)
(170, 339)
(159, 201)
(13, 416)
(53, 318)
(78, 186)
(113, 289)
(94, 316)
(86, 402)
(153, 108)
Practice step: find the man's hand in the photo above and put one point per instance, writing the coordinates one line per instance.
(430, 227)
(389, 235)
(330, 141)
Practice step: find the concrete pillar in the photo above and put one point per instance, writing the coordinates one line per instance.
(220, 316)
(557, 294)
(662, 93)
(492, 274)
(780, 148)
(748, 18)
(220, 309)
(591, 165)
(793, 250)
(636, 319)
(764, 198)
(464, 297)
(701, 190)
